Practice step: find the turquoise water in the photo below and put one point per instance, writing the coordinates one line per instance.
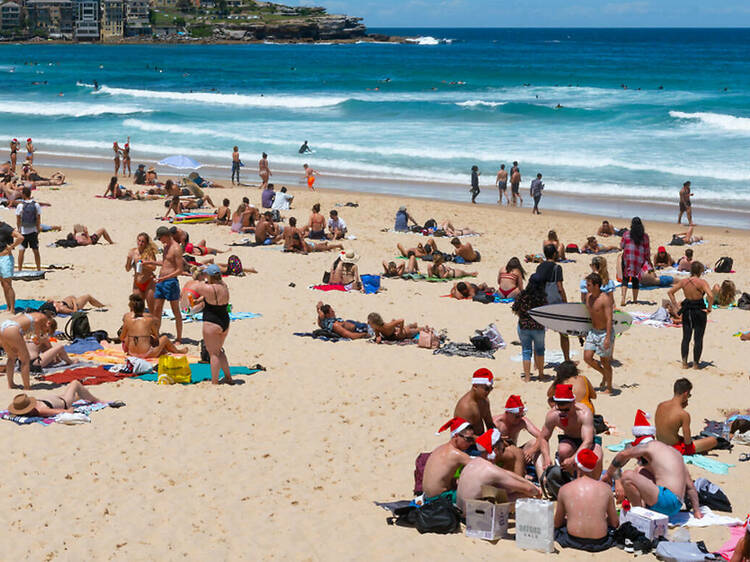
(422, 113)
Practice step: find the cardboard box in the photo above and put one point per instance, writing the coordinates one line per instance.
(650, 523)
(486, 520)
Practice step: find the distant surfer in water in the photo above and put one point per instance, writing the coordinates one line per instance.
(96, 85)
(310, 176)
(304, 148)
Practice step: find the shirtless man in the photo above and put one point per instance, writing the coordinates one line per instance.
(576, 422)
(671, 417)
(474, 406)
(327, 320)
(515, 184)
(482, 471)
(660, 485)
(266, 232)
(14, 146)
(440, 469)
(419, 251)
(510, 423)
(236, 164)
(465, 251)
(502, 185)
(264, 171)
(310, 176)
(685, 205)
(600, 338)
(140, 330)
(293, 238)
(605, 229)
(167, 285)
(585, 517)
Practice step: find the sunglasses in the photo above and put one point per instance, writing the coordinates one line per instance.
(563, 408)
(466, 438)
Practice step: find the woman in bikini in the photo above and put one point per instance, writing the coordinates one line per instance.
(144, 276)
(117, 191)
(345, 272)
(510, 279)
(12, 332)
(140, 334)
(724, 294)
(71, 303)
(189, 297)
(694, 312)
(49, 405)
(316, 227)
(126, 158)
(214, 295)
(240, 218)
(555, 241)
(439, 269)
(583, 390)
(117, 150)
(395, 330)
(43, 352)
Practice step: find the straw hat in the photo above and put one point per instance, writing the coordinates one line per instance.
(349, 257)
(151, 169)
(22, 404)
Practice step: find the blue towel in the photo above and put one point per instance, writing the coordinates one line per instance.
(83, 345)
(200, 372)
(26, 304)
(199, 316)
(371, 283)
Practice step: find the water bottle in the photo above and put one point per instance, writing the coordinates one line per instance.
(138, 266)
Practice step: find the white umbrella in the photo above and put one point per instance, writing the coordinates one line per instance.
(180, 162)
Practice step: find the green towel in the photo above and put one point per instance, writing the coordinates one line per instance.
(200, 372)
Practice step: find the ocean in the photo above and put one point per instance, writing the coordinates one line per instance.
(608, 115)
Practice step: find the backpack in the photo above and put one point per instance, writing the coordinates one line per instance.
(234, 266)
(676, 241)
(744, 302)
(724, 265)
(553, 479)
(709, 494)
(28, 214)
(484, 298)
(78, 326)
(431, 223)
(439, 516)
(572, 249)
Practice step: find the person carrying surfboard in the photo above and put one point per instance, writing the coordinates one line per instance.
(551, 275)
(600, 338)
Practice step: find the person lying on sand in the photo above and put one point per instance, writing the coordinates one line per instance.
(673, 310)
(395, 330)
(440, 270)
(233, 266)
(605, 229)
(42, 352)
(419, 251)
(391, 269)
(178, 205)
(71, 303)
(117, 191)
(327, 320)
(463, 290)
(451, 230)
(465, 251)
(724, 294)
(81, 235)
(200, 249)
(140, 335)
(593, 247)
(688, 237)
(49, 404)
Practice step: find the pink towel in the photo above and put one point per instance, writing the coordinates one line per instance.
(727, 549)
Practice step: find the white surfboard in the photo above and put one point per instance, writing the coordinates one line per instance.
(573, 319)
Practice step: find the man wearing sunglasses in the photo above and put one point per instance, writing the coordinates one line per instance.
(474, 406)
(576, 423)
(510, 423)
(440, 470)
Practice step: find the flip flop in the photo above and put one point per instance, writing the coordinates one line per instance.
(116, 404)
(744, 457)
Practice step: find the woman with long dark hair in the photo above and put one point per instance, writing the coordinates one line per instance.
(636, 252)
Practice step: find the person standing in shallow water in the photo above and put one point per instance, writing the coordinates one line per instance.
(474, 184)
(236, 164)
(536, 193)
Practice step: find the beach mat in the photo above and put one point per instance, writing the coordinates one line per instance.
(88, 376)
(25, 305)
(28, 275)
(168, 314)
(201, 372)
(80, 407)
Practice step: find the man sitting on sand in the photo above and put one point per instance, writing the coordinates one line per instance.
(81, 235)
(465, 252)
(327, 320)
(662, 483)
(395, 330)
(482, 471)
(266, 231)
(576, 422)
(671, 417)
(51, 404)
(140, 330)
(402, 220)
(438, 479)
(510, 423)
(585, 517)
(336, 226)
(474, 406)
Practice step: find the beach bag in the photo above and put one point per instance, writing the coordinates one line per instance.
(600, 426)
(419, 463)
(78, 327)
(234, 265)
(484, 298)
(205, 357)
(724, 265)
(405, 516)
(572, 249)
(28, 214)
(276, 215)
(481, 343)
(493, 334)
(709, 494)
(553, 479)
(535, 529)
(428, 339)
(676, 241)
(744, 302)
(431, 223)
(439, 516)
(173, 369)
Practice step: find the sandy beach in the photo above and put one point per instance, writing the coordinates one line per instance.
(287, 464)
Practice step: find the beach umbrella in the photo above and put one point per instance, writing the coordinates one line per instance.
(181, 162)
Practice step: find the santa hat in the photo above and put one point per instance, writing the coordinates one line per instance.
(28, 140)
(487, 441)
(747, 524)
(564, 393)
(642, 426)
(456, 425)
(586, 460)
(482, 376)
(15, 140)
(514, 405)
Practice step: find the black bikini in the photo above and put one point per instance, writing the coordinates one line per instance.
(216, 314)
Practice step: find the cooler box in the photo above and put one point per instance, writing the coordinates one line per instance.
(535, 525)
(650, 523)
(486, 520)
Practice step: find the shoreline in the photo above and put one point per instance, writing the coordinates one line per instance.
(565, 204)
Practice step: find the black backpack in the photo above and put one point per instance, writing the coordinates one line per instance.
(28, 214)
(78, 326)
(677, 241)
(724, 265)
(744, 302)
(439, 516)
(553, 479)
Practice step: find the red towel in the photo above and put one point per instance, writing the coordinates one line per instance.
(330, 288)
(87, 376)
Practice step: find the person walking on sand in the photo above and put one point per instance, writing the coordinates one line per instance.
(28, 217)
(14, 146)
(536, 193)
(310, 176)
(601, 336)
(264, 171)
(118, 151)
(30, 151)
(636, 252)
(515, 185)
(694, 312)
(9, 239)
(474, 189)
(685, 205)
(236, 164)
(502, 185)
(167, 285)
(126, 158)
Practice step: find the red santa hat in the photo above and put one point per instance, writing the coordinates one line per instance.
(564, 393)
(514, 405)
(15, 140)
(487, 441)
(28, 140)
(642, 426)
(483, 376)
(456, 425)
(586, 460)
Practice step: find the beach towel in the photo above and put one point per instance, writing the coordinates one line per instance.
(25, 305)
(88, 376)
(456, 349)
(658, 319)
(727, 549)
(701, 461)
(79, 345)
(80, 406)
(62, 366)
(28, 275)
(168, 314)
(50, 266)
(709, 519)
(553, 356)
(330, 287)
(420, 277)
(200, 372)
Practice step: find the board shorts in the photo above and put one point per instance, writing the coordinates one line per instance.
(502, 186)
(566, 540)
(514, 187)
(595, 342)
(685, 206)
(168, 290)
(7, 265)
(310, 181)
(450, 494)
(668, 503)
(317, 234)
(31, 240)
(577, 441)
(684, 449)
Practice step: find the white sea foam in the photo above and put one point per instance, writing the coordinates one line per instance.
(716, 120)
(480, 103)
(84, 85)
(67, 109)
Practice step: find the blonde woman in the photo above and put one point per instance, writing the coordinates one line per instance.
(724, 294)
(144, 275)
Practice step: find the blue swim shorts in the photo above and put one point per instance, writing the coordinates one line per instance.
(667, 504)
(6, 266)
(168, 290)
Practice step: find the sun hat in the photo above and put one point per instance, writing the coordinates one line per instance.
(161, 231)
(349, 257)
(22, 404)
(152, 169)
(212, 269)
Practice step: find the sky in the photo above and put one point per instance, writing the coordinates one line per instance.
(540, 13)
